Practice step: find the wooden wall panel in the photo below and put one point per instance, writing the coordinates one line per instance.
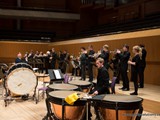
(61, 28)
(7, 24)
(151, 6)
(54, 4)
(8, 3)
(9, 50)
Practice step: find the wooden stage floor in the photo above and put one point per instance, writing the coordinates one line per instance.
(28, 110)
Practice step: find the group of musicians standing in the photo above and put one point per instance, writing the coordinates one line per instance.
(121, 62)
(88, 57)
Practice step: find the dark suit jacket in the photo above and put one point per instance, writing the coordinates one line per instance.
(102, 82)
(18, 60)
(124, 57)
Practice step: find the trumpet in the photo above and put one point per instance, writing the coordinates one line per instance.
(116, 51)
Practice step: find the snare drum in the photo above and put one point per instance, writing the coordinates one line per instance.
(119, 107)
(21, 79)
(84, 85)
(70, 112)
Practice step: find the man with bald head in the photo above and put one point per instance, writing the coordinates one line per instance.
(19, 58)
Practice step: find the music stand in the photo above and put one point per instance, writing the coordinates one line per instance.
(55, 75)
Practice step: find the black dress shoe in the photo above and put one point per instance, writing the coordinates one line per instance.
(133, 93)
(125, 89)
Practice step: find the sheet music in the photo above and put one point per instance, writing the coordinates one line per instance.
(57, 74)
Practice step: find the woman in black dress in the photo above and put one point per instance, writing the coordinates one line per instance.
(135, 67)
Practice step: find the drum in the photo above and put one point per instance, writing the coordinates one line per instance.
(70, 112)
(119, 107)
(21, 79)
(84, 85)
(62, 87)
(19, 65)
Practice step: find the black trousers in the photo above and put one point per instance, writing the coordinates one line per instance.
(53, 64)
(141, 76)
(124, 75)
(134, 78)
(90, 71)
(83, 71)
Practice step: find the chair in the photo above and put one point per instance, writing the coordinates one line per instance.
(43, 89)
(66, 78)
(113, 85)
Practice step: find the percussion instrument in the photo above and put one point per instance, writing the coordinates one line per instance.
(19, 65)
(62, 110)
(84, 85)
(21, 79)
(119, 107)
(63, 87)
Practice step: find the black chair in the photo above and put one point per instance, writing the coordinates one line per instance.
(113, 85)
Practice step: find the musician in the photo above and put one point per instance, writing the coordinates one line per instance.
(135, 63)
(60, 57)
(31, 55)
(46, 58)
(53, 58)
(124, 57)
(75, 64)
(65, 61)
(105, 55)
(19, 58)
(142, 66)
(90, 62)
(26, 56)
(36, 54)
(83, 60)
(116, 66)
(102, 86)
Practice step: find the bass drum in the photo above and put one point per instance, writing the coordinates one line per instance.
(21, 79)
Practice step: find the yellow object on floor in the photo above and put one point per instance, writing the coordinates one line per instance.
(71, 98)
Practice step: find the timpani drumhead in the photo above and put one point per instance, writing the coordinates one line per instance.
(63, 94)
(122, 98)
(84, 85)
(63, 87)
(80, 83)
(72, 112)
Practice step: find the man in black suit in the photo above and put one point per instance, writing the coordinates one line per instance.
(53, 58)
(83, 60)
(105, 55)
(19, 58)
(142, 66)
(90, 62)
(124, 57)
(102, 86)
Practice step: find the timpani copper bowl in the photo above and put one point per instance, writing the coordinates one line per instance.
(119, 107)
(83, 85)
(62, 110)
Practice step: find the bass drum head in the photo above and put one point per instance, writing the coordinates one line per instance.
(21, 81)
